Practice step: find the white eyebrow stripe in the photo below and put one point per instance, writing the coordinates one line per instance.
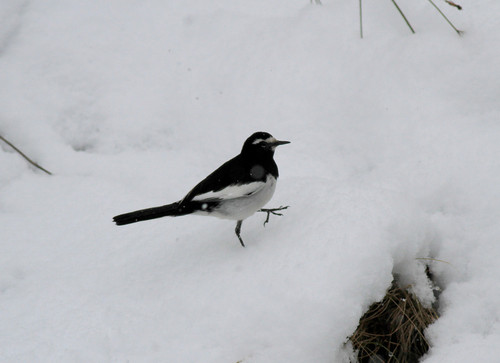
(269, 139)
(232, 191)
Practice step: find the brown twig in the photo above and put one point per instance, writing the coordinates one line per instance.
(451, 3)
(23, 155)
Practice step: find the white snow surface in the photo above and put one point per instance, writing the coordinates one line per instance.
(394, 163)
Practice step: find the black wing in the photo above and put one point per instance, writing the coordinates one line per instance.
(232, 172)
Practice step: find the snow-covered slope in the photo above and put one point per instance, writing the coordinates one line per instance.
(394, 158)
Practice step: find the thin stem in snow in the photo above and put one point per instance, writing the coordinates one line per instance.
(23, 155)
(403, 15)
(360, 20)
(459, 32)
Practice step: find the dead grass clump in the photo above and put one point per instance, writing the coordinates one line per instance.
(392, 330)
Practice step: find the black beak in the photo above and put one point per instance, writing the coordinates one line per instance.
(278, 143)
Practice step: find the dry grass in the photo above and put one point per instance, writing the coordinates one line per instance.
(451, 3)
(392, 330)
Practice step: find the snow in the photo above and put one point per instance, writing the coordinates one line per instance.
(393, 161)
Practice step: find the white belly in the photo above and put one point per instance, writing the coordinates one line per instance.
(242, 207)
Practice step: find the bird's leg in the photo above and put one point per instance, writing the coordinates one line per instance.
(238, 230)
(272, 211)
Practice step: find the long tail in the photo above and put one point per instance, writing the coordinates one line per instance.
(151, 213)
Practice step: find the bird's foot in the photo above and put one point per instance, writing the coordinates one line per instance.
(273, 211)
(238, 230)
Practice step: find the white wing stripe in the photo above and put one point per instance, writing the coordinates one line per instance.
(232, 191)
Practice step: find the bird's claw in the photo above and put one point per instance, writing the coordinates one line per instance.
(273, 211)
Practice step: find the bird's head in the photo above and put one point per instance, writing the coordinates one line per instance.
(262, 142)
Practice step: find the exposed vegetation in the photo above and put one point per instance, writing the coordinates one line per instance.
(392, 330)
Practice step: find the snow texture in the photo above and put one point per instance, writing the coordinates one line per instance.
(394, 161)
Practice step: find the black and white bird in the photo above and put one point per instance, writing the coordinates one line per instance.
(236, 190)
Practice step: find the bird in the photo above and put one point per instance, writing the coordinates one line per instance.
(236, 190)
